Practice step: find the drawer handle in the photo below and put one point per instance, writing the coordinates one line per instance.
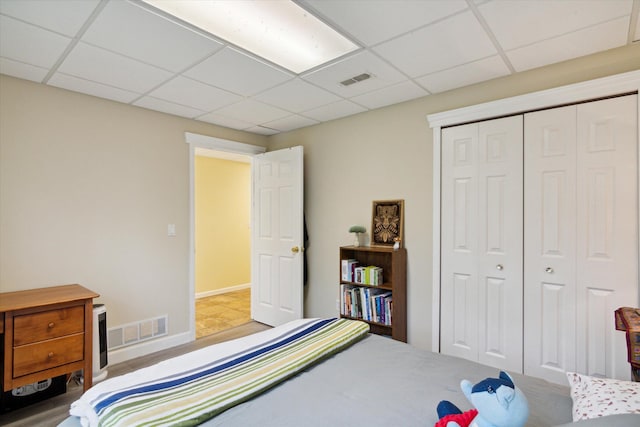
(51, 325)
(50, 354)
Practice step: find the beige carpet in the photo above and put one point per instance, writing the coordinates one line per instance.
(219, 312)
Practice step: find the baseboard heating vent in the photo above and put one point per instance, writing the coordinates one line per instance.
(133, 333)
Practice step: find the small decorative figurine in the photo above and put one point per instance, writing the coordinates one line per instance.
(357, 229)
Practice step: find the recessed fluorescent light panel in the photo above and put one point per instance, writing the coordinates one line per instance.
(277, 30)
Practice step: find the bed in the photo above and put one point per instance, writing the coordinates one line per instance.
(362, 379)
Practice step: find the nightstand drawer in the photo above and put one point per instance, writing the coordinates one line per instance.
(31, 328)
(31, 358)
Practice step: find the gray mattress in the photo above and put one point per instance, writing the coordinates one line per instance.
(381, 382)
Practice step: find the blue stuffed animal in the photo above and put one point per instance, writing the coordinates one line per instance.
(497, 401)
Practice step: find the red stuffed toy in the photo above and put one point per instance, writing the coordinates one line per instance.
(464, 419)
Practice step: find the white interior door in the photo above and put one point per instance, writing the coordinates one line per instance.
(607, 244)
(550, 243)
(277, 237)
(459, 242)
(500, 250)
(581, 238)
(481, 239)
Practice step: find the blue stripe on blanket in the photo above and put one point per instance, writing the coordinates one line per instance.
(215, 369)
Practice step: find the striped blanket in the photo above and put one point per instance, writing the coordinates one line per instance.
(192, 388)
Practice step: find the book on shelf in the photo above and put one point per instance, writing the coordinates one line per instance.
(373, 275)
(353, 272)
(348, 269)
(369, 304)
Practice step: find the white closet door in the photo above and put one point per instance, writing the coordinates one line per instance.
(550, 243)
(459, 240)
(482, 242)
(581, 237)
(607, 243)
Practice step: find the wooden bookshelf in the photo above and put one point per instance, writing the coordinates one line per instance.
(394, 272)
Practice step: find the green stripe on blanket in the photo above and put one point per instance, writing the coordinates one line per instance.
(194, 400)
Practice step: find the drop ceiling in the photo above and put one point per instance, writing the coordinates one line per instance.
(123, 51)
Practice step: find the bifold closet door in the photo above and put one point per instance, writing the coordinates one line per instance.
(481, 242)
(550, 243)
(581, 237)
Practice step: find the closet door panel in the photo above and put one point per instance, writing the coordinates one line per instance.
(607, 272)
(481, 272)
(500, 243)
(459, 242)
(550, 243)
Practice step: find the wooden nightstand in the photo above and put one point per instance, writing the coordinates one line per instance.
(47, 332)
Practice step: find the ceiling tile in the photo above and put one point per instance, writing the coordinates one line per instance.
(252, 112)
(237, 72)
(520, 23)
(126, 51)
(464, 75)
(414, 53)
(593, 39)
(22, 70)
(335, 110)
(167, 107)
(290, 122)
(130, 30)
(373, 21)
(184, 91)
(297, 95)
(400, 92)
(219, 119)
(262, 130)
(32, 45)
(382, 74)
(62, 16)
(102, 66)
(91, 88)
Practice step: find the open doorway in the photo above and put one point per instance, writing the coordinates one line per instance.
(222, 219)
(277, 227)
(228, 150)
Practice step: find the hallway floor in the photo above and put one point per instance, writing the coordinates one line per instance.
(220, 312)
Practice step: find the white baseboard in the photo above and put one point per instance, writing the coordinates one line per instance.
(147, 347)
(123, 354)
(222, 290)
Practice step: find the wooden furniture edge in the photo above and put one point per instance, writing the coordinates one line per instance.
(42, 299)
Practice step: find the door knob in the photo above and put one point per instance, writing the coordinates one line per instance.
(499, 267)
(548, 270)
(295, 249)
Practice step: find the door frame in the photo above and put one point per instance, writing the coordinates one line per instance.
(194, 141)
(619, 84)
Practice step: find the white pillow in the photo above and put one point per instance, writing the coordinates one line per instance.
(597, 397)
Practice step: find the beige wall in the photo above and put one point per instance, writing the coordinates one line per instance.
(88, 186)
(387, 154)
(87, 189)
(222, 220)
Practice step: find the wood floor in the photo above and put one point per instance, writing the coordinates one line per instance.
(52, 411)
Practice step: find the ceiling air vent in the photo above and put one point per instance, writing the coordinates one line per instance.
(356, 79)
